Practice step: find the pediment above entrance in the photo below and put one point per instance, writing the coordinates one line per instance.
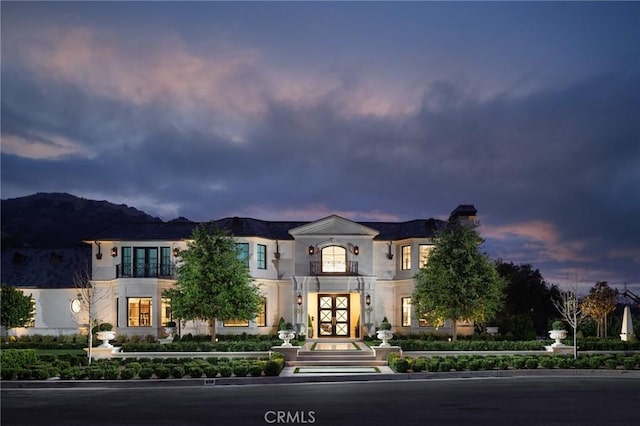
(333, 225)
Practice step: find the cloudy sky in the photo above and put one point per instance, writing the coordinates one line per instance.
(373, 111)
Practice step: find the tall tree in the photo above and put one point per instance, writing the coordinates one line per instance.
(458, 282)
(527, 308)
(213, 282)
(17, 309)
(600, 301)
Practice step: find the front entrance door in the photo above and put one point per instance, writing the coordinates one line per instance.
(334, 315)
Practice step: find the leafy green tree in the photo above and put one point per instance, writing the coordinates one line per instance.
(213, 282)
(17, 308)
(527, 306)
(600, 301)
(458, 282)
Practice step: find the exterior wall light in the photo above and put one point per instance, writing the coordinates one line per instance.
(312, 250)
(299, 299)
(114, 251)
(356, 250)
(99, 253)
(367, 299)
(176, 252)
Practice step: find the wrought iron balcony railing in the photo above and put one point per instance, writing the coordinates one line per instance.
(316, 268)
(145, 270)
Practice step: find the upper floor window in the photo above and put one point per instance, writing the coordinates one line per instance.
(334, 259)
(425, 250)
(261, 256)
(243, 252)
(406, 257)
(141, 262)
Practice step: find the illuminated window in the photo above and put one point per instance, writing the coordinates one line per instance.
(334, 259)
(261, 256)
(165, 311)
(235, 323)
(425, 250)
(406, 257)
(261, 319)
(243, 252)
(406, 312)
(139, 314)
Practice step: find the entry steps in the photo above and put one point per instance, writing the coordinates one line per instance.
(357, 355)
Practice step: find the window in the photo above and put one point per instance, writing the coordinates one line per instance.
(334, 259)
(243, 252)
(406, 312)
(139, 314)
(165, 262)
(145, 262)
(261, 319)
(406, 257)
(261, 257)
(424, 252)
(165, 311)
(235, 323)
(127, 262)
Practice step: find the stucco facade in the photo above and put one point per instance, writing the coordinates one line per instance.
(332, 277)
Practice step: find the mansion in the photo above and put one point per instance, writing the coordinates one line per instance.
(331, 277)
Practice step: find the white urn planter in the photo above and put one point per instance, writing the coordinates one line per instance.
(385, 336)
(286, 335)
(558, 335)
(170, 332)
(105, 336)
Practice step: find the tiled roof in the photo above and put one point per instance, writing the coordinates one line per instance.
(249, 227)
(44, 268)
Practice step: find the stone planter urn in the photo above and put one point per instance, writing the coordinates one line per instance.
(105, 336)
(385, 336)
(558, 335)
(170, 329)
(492, 331)
(286, 335)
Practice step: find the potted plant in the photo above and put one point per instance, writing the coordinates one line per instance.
(286, 333)
(558, 333)
(170, 329)
(384, 332)
(105, 333)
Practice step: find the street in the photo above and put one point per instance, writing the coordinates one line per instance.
(488, 401)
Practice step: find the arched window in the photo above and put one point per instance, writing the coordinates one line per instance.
(334, 259)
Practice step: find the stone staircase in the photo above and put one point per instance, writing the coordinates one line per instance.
(344, 353)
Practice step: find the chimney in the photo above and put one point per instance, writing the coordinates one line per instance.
(464, 212)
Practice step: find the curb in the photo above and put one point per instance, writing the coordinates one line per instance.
(236, 381)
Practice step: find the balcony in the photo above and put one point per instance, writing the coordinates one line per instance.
(146, 270)
(346, 268)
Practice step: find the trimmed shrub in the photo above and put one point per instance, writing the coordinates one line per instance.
(475, 364)
(66, 374)
(547, 362)
(225, 370)
(445, 366)
(255, 370)
(195, 372)
(211, 371)
(272, 368)
(419, 365)
(146, 373)
(629, 363)
(611, 363)
(95, 373)
(162, 372)
(177, 372)
(488, 363)
(127, 374)
(401, 365)
(531, 363)
(9, 373)
(111, 374)
(17, 358)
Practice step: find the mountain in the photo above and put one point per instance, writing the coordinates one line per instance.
(59, 219)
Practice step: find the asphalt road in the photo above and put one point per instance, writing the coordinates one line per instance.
(488, 401)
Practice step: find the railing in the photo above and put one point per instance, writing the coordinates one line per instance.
(315, 268)
(146, 270)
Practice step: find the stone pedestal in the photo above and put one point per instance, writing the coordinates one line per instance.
(102, 353)
(290, 352)
(382, 352)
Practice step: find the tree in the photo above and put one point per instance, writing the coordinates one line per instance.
(213, 282)
(600, 301)
(88, 297)
(527, 307)
(17, 308)
(458, 282)
(568, 304)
